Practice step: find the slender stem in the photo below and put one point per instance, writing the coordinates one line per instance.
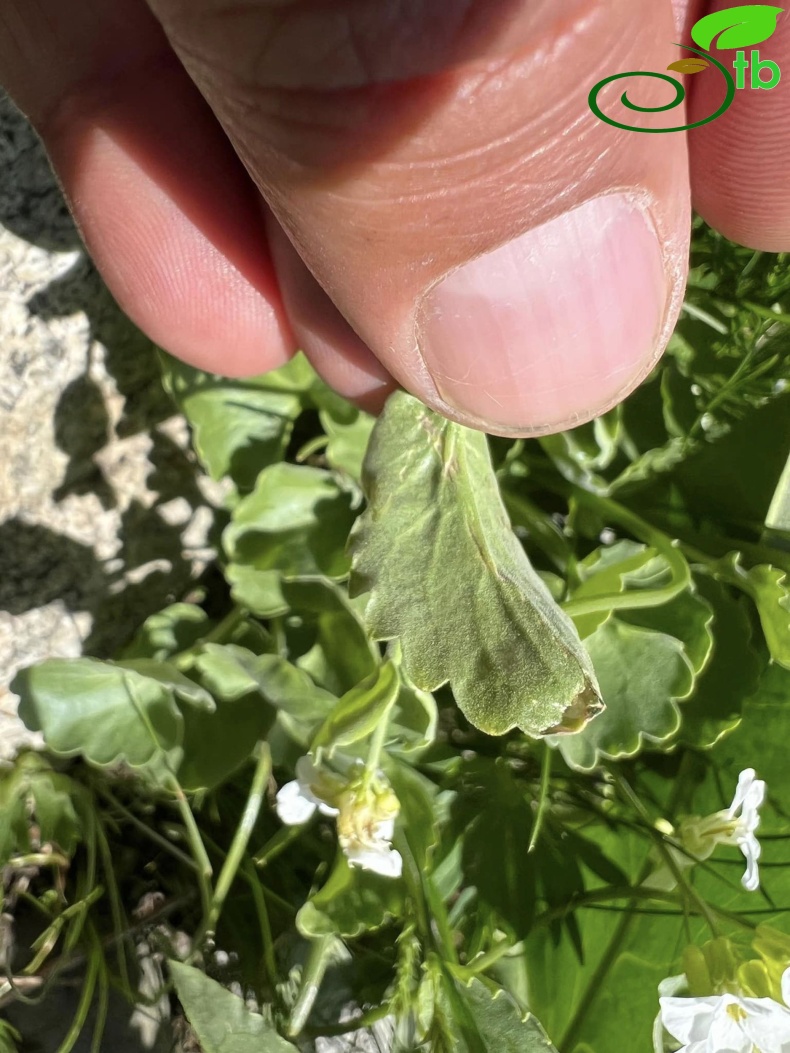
(204, 868)
(241, 837)
(376, 748)
(317, 962)
(594, 986)
(104, 998)
(116, 910)
(148, 831)
(83, 1008)
(276, 844)
(484, 961)
(262, 912)
(543, 800)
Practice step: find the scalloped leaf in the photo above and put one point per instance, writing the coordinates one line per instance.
(448, 578)
(736, 27)
(109, 712)
(643, 674)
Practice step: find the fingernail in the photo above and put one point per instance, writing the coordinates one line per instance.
(552, 328)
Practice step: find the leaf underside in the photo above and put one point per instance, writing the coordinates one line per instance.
(448, 577)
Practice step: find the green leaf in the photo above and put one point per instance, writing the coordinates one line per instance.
(449, 578)
(769, 588)
(413, 721)
(759, 741)
(349, 435)
(231, 672)
(617, 577)
(580, 453)
(736, 27)
(108, 712)
(643, 675)
(294, 523)
(418, 818)
(357, 714)
(331, 640)
(586, 1010)
(220, 1019)
(486, 1022)
(493, 819)
(31, 792)
(688, 617)
(714, 707)
(240, 426)
(351, 902)
(167, 632)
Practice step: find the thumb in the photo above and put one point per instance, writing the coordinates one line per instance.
(509, 258)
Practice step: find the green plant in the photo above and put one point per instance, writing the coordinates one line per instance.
(474, 849)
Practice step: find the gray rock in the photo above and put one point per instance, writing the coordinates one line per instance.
(103, 517)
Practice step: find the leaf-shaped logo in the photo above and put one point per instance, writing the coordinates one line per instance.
(689, 65)
(737, 27)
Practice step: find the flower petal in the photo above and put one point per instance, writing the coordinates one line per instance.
(688, 1019)
(384, 860)
(294, 806)
(786, 987)
(384, 830)
(750, 847)
(749, 795)
(767, 1024)
(726, 1030)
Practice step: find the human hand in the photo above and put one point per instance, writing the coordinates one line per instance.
(256, 176)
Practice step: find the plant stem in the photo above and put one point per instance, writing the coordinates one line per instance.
(241, 837)
(543, 800)
(83, 1008)
(262, 912)
(148, 831)
(203, 863)
(317, 962)
(376, 748)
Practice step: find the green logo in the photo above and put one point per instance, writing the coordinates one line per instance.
(736, 28)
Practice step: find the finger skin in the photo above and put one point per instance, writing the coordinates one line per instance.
(165, 208)
(492, 136)
(740, 162)
(403, 148)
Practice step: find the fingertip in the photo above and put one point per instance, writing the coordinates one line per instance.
(171, 220)
(554, 327)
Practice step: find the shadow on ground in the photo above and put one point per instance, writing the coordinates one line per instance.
(39, 565)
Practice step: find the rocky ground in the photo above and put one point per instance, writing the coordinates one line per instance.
(103, 515)
(102, 519)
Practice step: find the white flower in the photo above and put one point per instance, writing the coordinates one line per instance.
(728, 1023)
(297, 801)
(365, 809)
(699, 837)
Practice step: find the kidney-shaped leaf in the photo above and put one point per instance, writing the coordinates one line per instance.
(449, 578)
(642, 675)
(106, 711)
